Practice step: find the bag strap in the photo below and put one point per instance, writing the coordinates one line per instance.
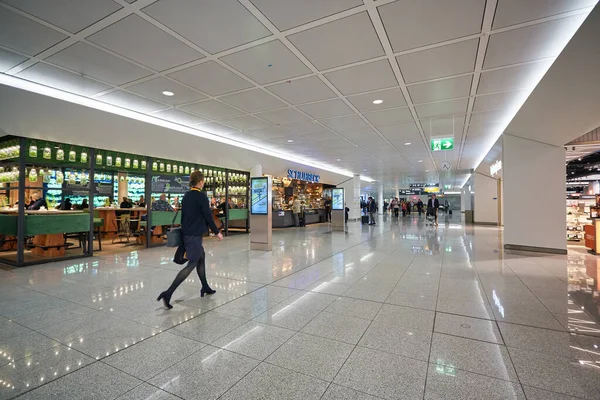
(174, 218)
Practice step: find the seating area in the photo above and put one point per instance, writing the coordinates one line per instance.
(54, 234)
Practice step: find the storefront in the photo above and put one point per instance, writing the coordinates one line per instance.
(308, 189)
(61, 201)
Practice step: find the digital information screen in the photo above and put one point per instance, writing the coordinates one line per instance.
(260, 196)
(337, 199)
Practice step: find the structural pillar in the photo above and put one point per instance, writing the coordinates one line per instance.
(534, 195)
(353, 199)
(380, 199)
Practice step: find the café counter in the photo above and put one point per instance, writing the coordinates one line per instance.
(47, 229)
(285, 218)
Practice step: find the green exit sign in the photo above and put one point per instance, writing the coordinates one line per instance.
(440, 144)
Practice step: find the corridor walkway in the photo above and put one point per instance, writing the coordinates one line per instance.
(395, 311)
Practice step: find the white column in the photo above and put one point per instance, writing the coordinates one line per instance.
(380, 199)
(123, 186)
(257, 170)
(353, 200)
(534, 195)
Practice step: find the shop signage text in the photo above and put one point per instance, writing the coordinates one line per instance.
(495, 167)
(303, 176)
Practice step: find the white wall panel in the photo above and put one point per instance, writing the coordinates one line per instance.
(534, 193)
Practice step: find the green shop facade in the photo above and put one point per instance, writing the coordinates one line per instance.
(33, 169)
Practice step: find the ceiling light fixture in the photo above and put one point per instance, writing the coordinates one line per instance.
(377, 101)
(290, 141)
(338, 159)
(112, 109)
(167, 93)
(407, 144)
(426, 170)
(420, 161)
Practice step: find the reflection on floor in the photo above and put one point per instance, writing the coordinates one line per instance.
(396, 310)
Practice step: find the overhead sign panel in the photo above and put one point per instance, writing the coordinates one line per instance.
(441, 144)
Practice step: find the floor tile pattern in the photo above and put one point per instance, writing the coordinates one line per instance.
(393, 311)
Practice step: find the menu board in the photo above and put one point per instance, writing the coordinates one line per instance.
(337, 199)
(170, 184)
(77, 189)
(260, 196)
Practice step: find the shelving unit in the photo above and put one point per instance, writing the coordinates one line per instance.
(578, 213)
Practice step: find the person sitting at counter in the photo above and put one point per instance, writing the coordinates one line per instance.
(126, 203)
(142, 201)
(84, 204)
(176, 203)
(162, 204)
(226, 206)
(65, 205)
(38, 202)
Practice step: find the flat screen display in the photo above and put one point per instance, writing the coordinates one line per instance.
(337, 199)
(260, 196)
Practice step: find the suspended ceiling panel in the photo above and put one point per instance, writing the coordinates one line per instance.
(366, 82)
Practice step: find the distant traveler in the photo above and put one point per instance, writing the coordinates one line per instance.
(433, 204)
(372, 206)
(396, 207)
(195, 216)
(328, 209)
(346, 211)
(420, 207)
(296, 211)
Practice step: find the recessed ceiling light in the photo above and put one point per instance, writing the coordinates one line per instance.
(338, 159)
(377, 101)
(364, 170)
(167, 93)
(407, 144)
(290, 141)
(426, 170)
(420, 160)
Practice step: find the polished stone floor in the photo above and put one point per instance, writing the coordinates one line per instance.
(394, 311)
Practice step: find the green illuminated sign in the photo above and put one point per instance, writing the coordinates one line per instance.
(440, 144)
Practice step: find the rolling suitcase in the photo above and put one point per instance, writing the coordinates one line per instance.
(364, 219)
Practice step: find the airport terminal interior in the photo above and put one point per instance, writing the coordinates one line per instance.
(401, 199)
